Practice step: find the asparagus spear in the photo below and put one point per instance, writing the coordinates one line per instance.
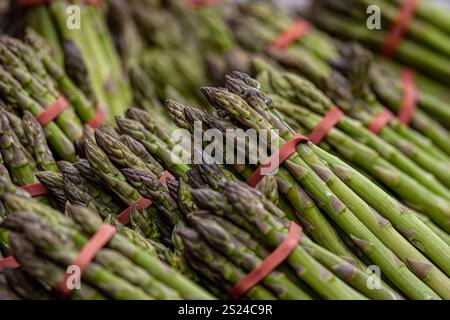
(151, 188)
(155, 146)
(301, 91)
(306, 268)
(218, 263)
(186, 288)
(83, 105)
(119, 152)
(46, 241)
(218, 238)
(19, 168)
(13, 91)
(347, 272)
(45, 94)
(311, 217)
(139, 150)
(408, 52)
(308, 177)
(404, 219)
(36, 137)
(115, 181)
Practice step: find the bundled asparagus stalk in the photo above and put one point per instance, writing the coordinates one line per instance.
(225, 227)
(424, 47)
(241, 111)
(91, 45)
(315, 55)
(283, 85)
(121, 270)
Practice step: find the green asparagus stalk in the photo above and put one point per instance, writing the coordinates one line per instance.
(310, 179)
(155, 146)
(218, 238)
(36, 137)
(218, 263)
(13, 91)
(19, 168)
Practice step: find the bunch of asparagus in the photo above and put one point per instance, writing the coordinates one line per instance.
(425, 45)
(348, 76)
(85, 49)
(46, 242)
(362, 211)
(232, 230)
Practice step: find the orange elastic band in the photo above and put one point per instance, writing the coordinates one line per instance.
(97, 120)
(398, 28)
(35, 189)
(331, 119)
(278, 256)
(276, 159)
(52, 111)
(88, 253)
(410, 96)
(124, 216)
(9, 262)
(380, 121)
(294, 32)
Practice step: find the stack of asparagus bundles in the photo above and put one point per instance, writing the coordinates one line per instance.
(80, 41)
(305, 105)
(354, 82)
(356, 190)
(176, 45)
(315, 55)
(46, 242)
(365, 215)
(424, 46)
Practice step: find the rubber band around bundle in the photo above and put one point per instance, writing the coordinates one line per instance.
(270, 263)
(201, 3)
(410, 96)
(87, 254)
(276, 159)
(398, 28)
(52, 111)
(328, 122)
(98, 119)
(380, 121)
(293, 33)
(31, 3)
(9, 262)
(124, 216)
(35, 189)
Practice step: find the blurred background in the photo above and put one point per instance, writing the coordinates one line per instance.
(305, 3)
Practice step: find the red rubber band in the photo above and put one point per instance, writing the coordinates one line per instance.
(276, 159)
(9, 262)
(52, 111)
(294, 32)
(97, 120)
(88, 253)
(201, 3)
(398, 28)
(278, 256)
(124, 216)
(329, 121)
(410, 96)
(166, 175)
(35, 190)
(380, 121)
(31, 3)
